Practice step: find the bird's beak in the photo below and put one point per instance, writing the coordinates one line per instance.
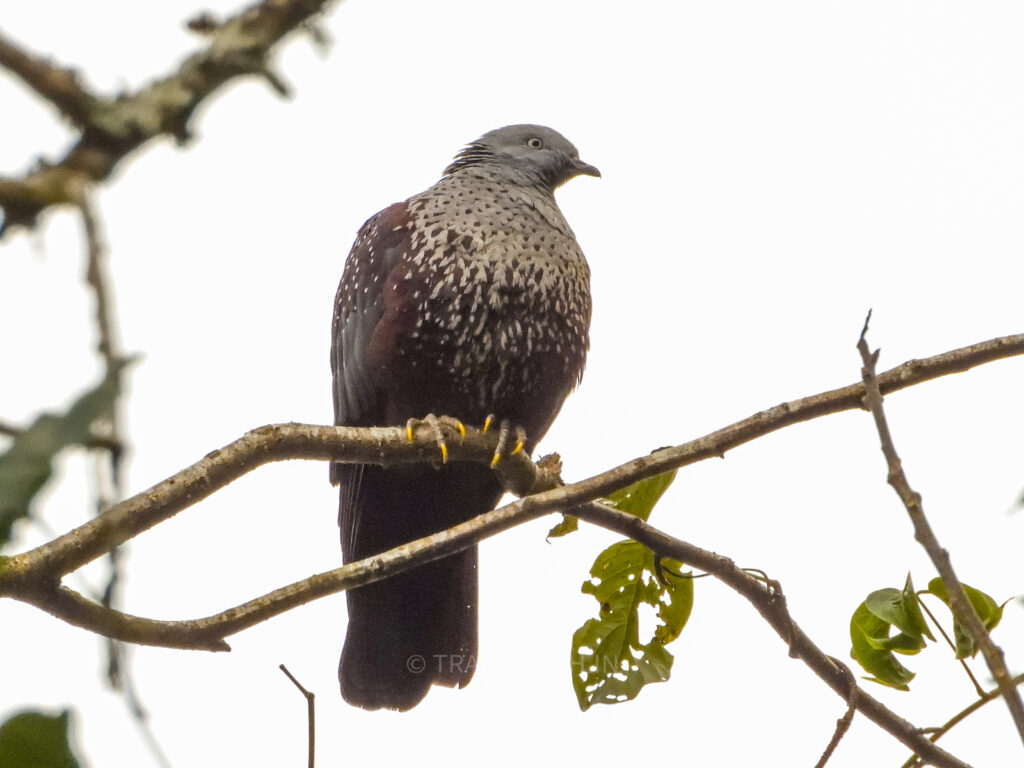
(584, 169)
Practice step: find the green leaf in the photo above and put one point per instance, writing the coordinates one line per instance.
(870, 638)
(569, 524)
(639, 498)
(609, 663)
(28, 463)
(36, 740)
(987, 609)
(902, 610)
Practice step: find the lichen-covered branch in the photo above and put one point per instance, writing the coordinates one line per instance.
(113, 128)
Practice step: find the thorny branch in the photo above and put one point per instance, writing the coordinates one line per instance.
(111, 129)
(958, 602)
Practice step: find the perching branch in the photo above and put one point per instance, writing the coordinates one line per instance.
(958, 602)
(389, 445)
(34, 576)
(113, 128)
(205, 634)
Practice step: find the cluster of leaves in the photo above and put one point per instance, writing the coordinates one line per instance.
(872, 623)
(610, 663)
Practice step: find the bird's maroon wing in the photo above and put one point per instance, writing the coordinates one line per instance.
(358, 307)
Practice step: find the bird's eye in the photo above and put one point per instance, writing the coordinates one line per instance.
(535, 143)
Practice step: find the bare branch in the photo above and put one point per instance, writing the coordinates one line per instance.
(960, 716)
(310, 716)
(958, 602)
(58, 86)
(98, 280)
(207, 634)
(844, 722)
(114, 128)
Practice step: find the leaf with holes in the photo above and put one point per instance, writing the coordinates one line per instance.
(609, 663)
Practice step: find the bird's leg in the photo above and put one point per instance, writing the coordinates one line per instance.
(505, 430)
(436, 425)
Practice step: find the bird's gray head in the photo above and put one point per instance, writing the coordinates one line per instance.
(536, 154)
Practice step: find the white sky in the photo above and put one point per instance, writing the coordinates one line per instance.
(771, 171)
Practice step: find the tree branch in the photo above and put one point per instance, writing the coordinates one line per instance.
(958, 602)
(34, 576)
(389, 445)
(960, 716)
(771, 604)
(208, 633)
(58, 86)
(112, 129)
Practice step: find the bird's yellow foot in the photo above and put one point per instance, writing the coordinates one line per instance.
(436, 425)
(505, 431)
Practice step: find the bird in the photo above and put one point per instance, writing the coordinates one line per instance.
(471, 300)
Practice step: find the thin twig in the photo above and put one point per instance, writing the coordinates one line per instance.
(959, 717)
(310, 715)
(923, 533)
(945, 636)
(109, 474)
(844, 722)
(98, 280)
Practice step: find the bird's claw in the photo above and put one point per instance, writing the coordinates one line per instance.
(436, 425)
(505, 431)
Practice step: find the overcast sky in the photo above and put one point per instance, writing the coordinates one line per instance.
(772, 170)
